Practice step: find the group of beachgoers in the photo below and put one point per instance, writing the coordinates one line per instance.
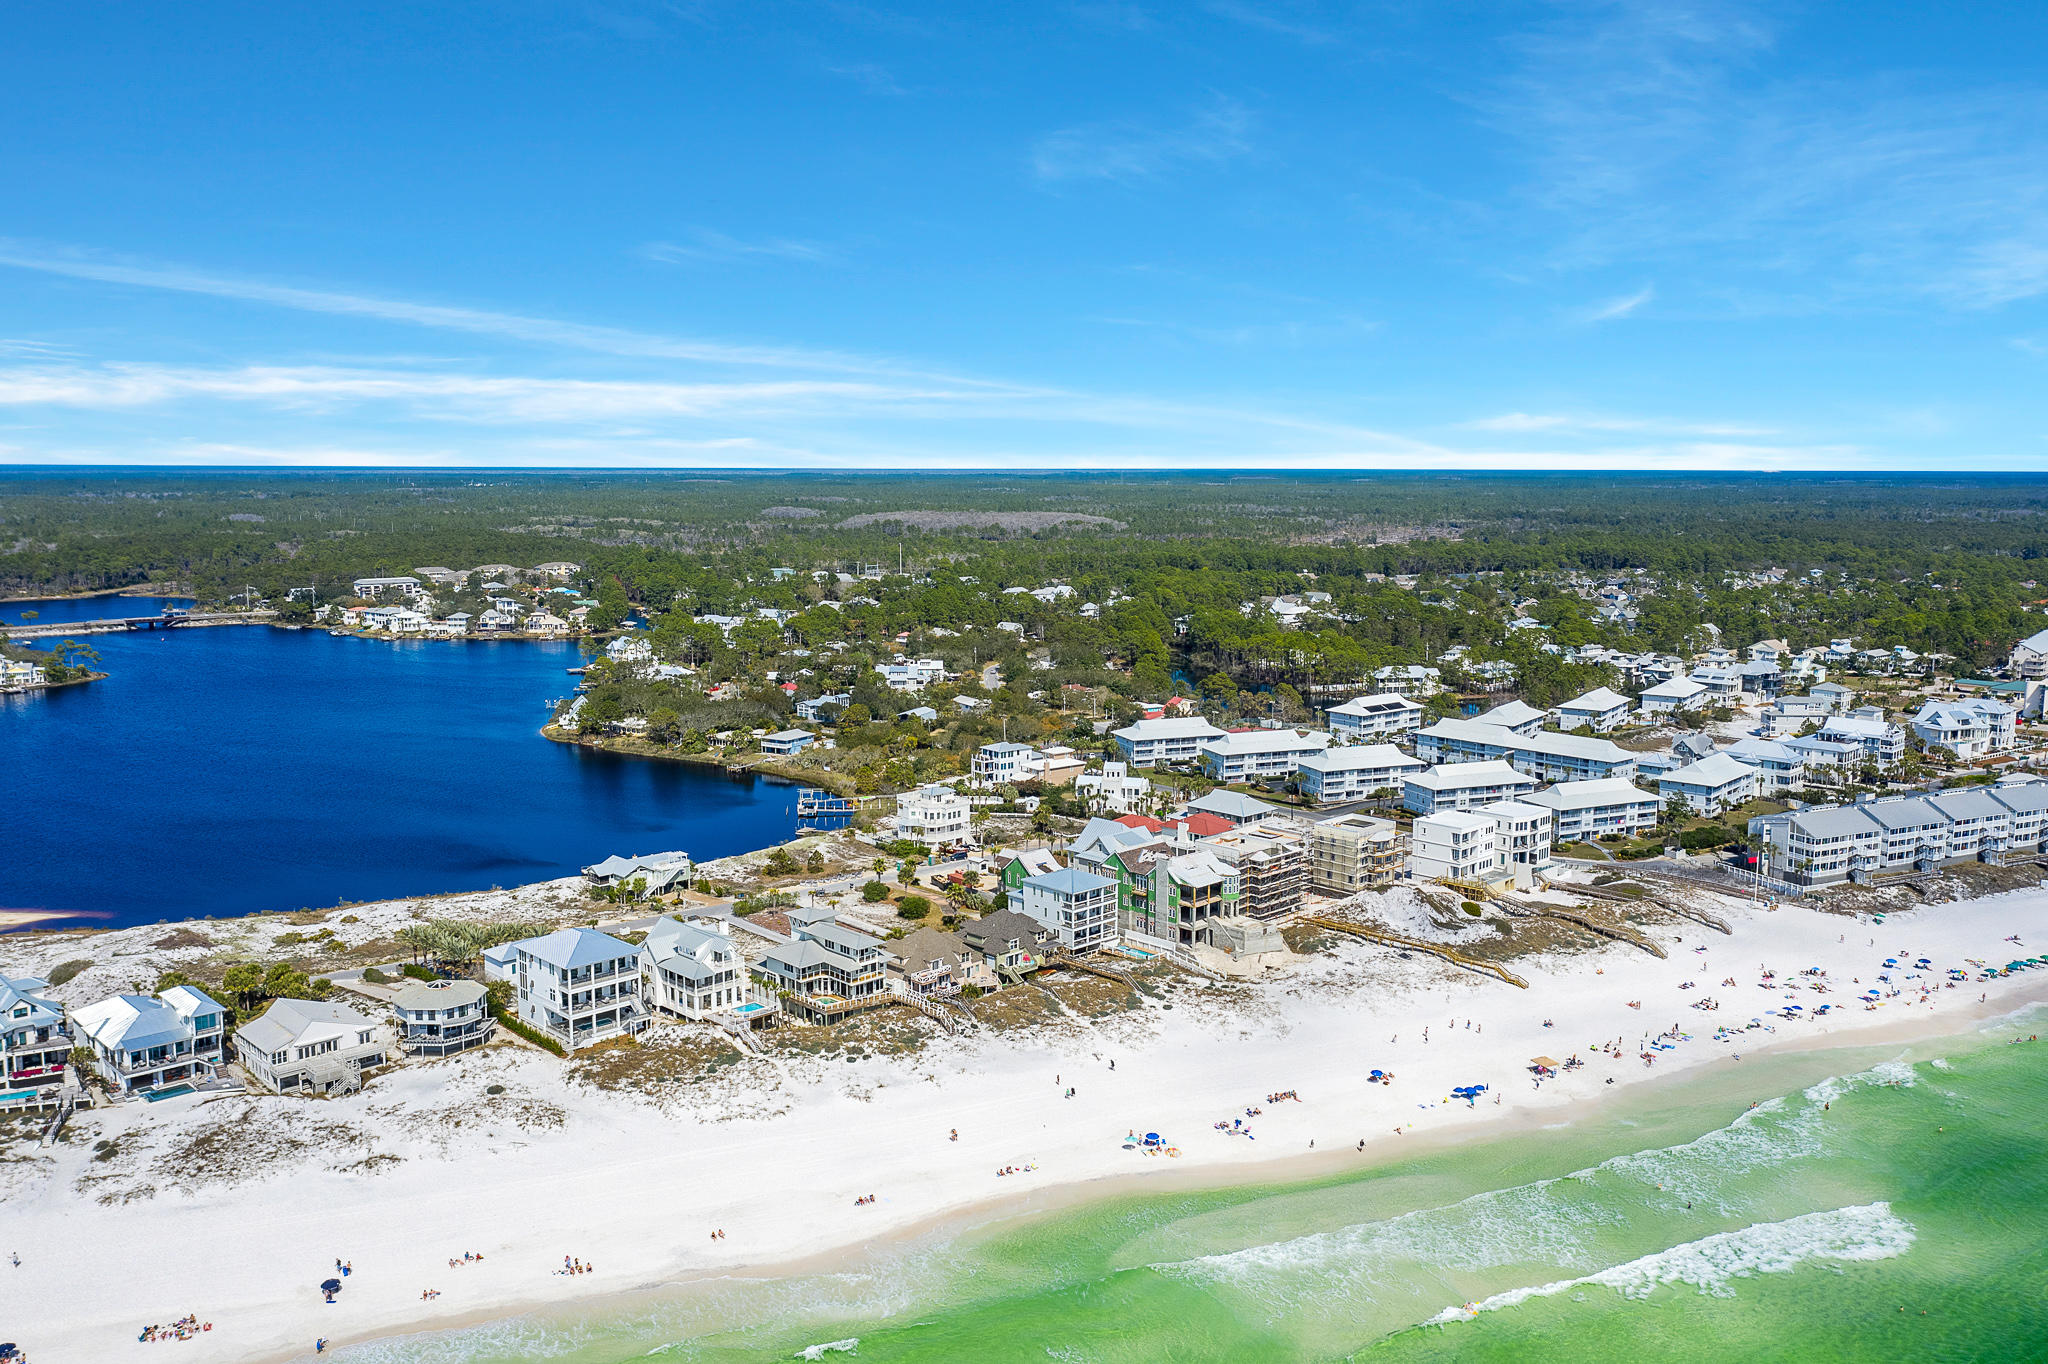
(863, 1200)
(571, 1265)
(718, 1235)
(188, 1327)
(469, 1257)
(1017, 1169)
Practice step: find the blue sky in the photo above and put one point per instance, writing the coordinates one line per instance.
(1237, 233)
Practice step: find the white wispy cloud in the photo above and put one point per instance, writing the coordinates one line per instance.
(1527, 422)
(1615, 308)
(1671, 129)
(476, 321)
(1129, 151)
(704, 244)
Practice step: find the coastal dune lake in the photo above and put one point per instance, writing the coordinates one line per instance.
(220, 771)
(1700, 1229)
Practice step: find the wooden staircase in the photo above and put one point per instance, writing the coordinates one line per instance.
(1449, 954)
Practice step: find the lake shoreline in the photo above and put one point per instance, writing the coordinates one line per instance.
(641, 748)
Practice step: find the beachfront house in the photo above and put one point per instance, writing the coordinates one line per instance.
(35, 1042)
(1007, 944)
(1355, 771)
(1456, 846)
(785, 742)
(1257, 754)
(1585, 810)
(1522, 835)
(441, 1017)
(143, 1042)
(1599, 710)
(1353, 852)
(1077, 907)
(691, 970)
(580, 987)
(1364, 718)
(1170, 739)
(308, 1046)
(934, 815)
(934, 963)
(825, 971)
(1463, 786)
(1877, 837)
(1710, 785)
(1190, 892)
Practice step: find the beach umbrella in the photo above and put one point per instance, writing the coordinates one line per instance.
(1544, 1061)
(331, 1286)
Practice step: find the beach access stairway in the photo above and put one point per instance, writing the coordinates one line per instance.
(947, 1012)
(1532, 909)
(1406, 944)
(1089, 966)
(1698, 916)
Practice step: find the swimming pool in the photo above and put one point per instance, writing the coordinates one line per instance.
(750, 1008)
(173, 1092)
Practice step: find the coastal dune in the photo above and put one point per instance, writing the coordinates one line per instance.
(235, 1209)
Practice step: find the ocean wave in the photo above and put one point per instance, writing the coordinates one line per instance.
(851, 1345)
(1532, 1223)
(1712, 1265)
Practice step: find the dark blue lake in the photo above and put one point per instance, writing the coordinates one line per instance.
(223, 771)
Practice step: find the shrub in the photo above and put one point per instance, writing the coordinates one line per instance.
(417, 971)
(375, 977)
(874, 892)
(66, 972)
(913, 906)
(780, 863)
(1473, 908)
(1000, 900)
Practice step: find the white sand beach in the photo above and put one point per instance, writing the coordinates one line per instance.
(236, 1208)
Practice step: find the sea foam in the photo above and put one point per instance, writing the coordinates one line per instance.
(1711, 1265)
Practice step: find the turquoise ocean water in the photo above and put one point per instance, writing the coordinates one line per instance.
(1859, 1184)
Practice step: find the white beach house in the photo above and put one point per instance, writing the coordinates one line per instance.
(1356, 771)
(579, 986)
(308, 1046)
(143, 1042)
(1583, 810)
(1173, 739)
(442, 1017)
(1456, 845)
(1255, 754)
(1375, 717)
(35, 1041)
(1711, 785)
(1463, 786)
(1077, 906)
(1599, 710)
(692, 970)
